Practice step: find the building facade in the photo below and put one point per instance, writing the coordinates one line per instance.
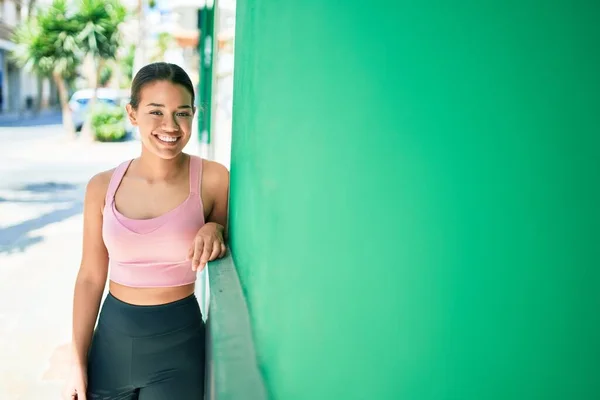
(19, 89)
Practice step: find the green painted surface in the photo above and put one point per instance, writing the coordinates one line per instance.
(415, 197)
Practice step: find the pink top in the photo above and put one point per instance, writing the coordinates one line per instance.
(153, 252)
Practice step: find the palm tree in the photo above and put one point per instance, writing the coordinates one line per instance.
(30, 8)
(99, 21)
(47, 45)
(163, 43)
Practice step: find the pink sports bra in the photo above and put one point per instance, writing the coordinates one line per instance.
(153, 252)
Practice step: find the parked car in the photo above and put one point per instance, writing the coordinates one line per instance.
(79, 103)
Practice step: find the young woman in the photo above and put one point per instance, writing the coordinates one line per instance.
(157, 220)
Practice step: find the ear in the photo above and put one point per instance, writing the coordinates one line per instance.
(132, 114)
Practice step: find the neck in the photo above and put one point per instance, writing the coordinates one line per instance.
(154, 168)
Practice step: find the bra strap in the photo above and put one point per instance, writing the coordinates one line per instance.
(195, 174)
(115, 181)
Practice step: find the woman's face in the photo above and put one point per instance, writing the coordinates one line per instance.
(164, 117)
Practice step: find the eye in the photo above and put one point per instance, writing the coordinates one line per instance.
(183, 114)
(155, 112)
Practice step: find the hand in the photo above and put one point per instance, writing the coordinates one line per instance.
(76, 384)
(208, 245)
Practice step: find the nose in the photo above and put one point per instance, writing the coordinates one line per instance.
(169, 124)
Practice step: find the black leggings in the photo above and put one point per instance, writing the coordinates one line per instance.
(147, 352)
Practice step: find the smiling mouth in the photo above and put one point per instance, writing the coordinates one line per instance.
(167, 139)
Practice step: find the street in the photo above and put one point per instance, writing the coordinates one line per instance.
(42, 181)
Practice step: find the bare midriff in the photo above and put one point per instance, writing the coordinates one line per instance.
(150, 296)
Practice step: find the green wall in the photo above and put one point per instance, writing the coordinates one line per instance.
(415, 204)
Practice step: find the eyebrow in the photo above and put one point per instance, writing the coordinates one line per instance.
(162, 105)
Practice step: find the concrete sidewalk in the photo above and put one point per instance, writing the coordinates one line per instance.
(35, 308)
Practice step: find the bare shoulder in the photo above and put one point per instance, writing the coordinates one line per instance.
(214, 174)
(99, 182)
(215, 192)
(97, 187)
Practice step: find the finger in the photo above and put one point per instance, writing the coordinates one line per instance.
(198, 248)
(208, 248)
(223, 250)
(191, 251)
(216, 250)
(81, 394)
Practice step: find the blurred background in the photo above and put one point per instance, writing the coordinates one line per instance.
(414, 189)
(65, 74)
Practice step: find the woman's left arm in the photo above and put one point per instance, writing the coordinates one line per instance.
(209, 243)
(218, 187)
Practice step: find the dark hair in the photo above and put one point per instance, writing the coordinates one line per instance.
(160, 71)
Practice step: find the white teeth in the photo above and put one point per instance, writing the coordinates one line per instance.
(167, 138)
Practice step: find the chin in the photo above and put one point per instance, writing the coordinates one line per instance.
(168, 155)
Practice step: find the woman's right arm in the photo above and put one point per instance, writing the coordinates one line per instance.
(93, 270)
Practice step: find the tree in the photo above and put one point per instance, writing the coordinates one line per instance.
(30, 7)
(126, 64)
(47, 45)
(99, 37)
(105, 75)
(164, 42)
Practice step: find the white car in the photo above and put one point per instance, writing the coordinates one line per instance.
(81, 98)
